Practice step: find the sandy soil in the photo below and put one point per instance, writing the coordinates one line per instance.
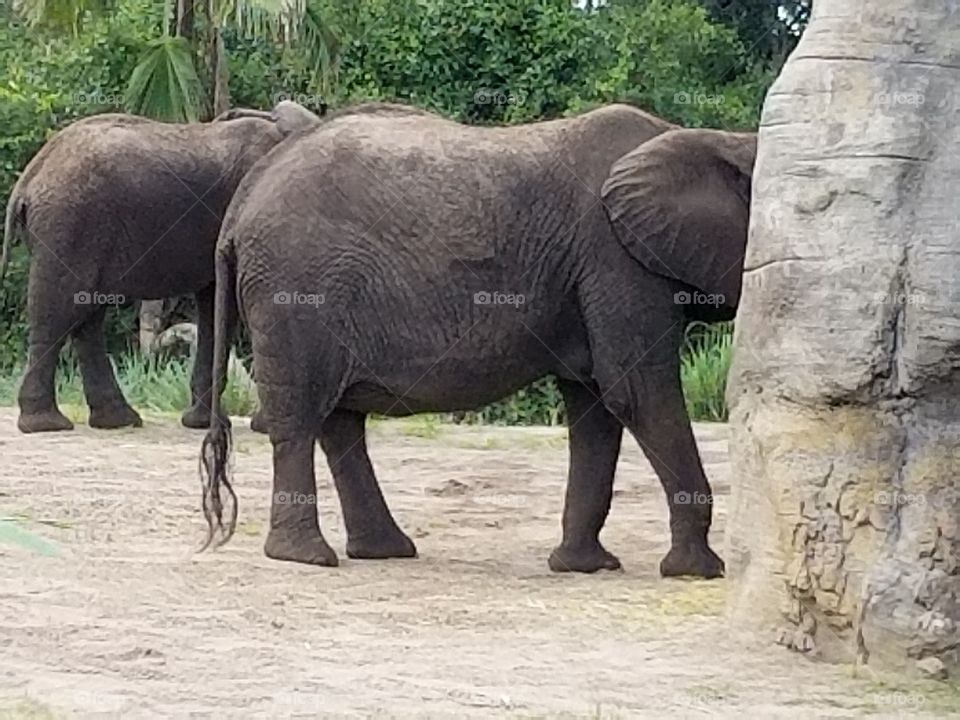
(107, 611)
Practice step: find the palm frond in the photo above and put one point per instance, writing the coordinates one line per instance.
(274, 19)
(321, 46)
(60, 14)
(292, 22)
(165, 84)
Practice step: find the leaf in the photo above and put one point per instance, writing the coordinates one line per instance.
(165, 84)
(12, 534)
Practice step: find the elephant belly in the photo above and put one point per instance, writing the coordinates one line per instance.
(438, 390)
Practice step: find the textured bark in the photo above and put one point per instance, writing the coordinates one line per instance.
(845, 529)
(152, 324)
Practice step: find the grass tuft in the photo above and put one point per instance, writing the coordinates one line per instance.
(704, 366)
(153, 383)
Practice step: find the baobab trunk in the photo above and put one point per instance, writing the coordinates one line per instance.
(844, 531)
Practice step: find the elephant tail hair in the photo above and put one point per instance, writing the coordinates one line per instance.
(16, 218)
(217, 445)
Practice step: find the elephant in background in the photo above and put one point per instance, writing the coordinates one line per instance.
(396, 265)
(117, 208)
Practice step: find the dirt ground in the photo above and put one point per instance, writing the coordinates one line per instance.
(107, 611)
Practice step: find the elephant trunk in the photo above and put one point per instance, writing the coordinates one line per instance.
(216, 448)
(16, 216)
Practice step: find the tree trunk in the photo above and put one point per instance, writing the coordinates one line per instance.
(844, 531)
(183, 25)
(220, 75)
(152, 323)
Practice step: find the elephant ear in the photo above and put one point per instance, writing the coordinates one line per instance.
(680, 205)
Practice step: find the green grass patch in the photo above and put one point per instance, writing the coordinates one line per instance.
(154, 383)
(704, 366)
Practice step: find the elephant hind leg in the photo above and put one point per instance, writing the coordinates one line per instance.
(294, 533)
(108, 408)
(201, 380)
(372, 532)
(54, 315)
(594, 441)
(37, 396)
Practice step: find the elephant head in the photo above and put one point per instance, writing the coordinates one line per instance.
(680, 205)
(291, 116)
(287, 115)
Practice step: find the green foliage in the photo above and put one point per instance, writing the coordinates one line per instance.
(705, 364)
(538, 404)
(164, 84)
(770, 28)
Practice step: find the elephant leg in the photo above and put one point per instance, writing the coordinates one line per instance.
(371, 530)
(594, 441)
(53, 313)
(201, 381)
(294, 524)
(656, 415)
(37, 396)
(258, 421)
(108, 408)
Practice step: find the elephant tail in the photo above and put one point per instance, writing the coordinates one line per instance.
(216, 449)
(16, 219)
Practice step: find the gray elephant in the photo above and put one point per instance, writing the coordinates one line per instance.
(397, 265)
(117, 208)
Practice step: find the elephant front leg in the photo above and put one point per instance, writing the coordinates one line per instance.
(656, 415)
(294, 524)
(372, 532)
(594, 441)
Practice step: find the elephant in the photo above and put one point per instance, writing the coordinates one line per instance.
(117, 208)
(396, 265)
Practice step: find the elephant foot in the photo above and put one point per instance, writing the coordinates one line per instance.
(114, 416)
(391, 545)
(258, 423)
(307, 549)
(586, 559)
(43, 421)
(693, 558)
(196, 417)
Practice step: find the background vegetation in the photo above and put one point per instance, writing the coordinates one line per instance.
(699, 63)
